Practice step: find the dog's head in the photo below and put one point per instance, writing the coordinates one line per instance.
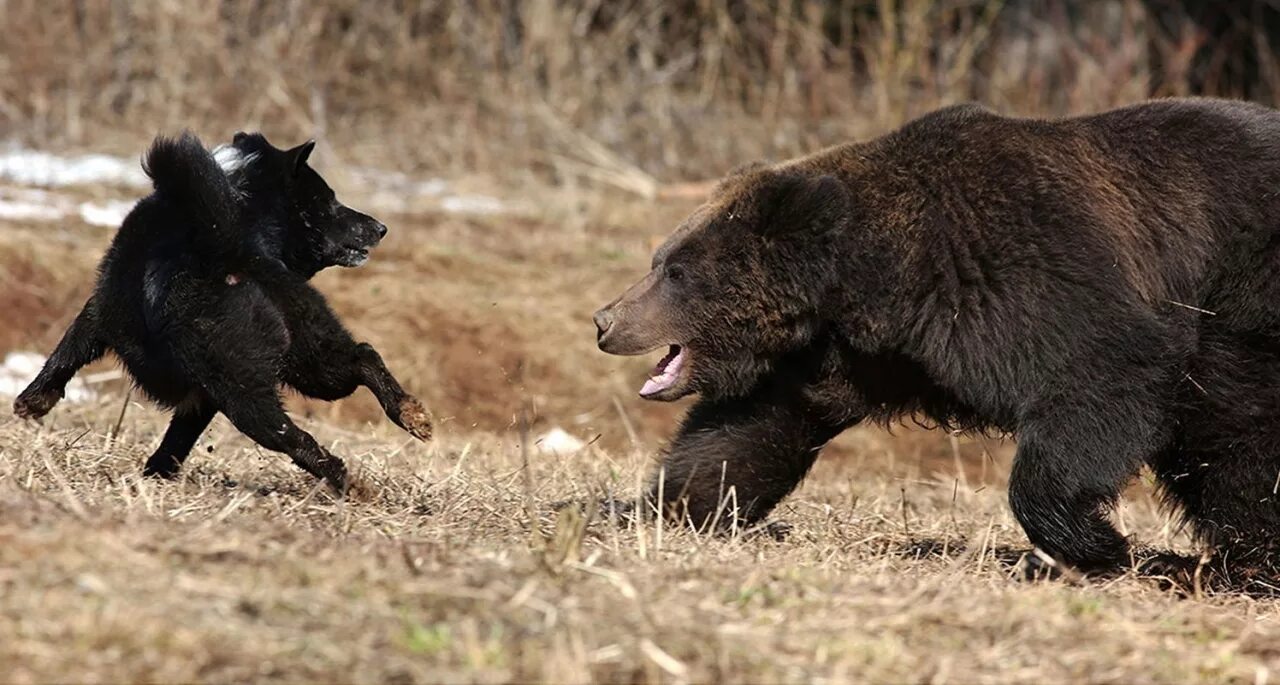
(316, 231)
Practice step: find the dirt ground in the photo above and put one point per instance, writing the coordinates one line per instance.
(452, 565)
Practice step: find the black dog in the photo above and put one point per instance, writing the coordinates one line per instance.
(203, 295)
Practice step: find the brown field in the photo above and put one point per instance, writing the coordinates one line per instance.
(452, 564)
(596, 130)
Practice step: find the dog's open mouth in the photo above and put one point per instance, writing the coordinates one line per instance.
(667, 374)
(353, 255)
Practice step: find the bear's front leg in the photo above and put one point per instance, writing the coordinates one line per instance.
(1069, 470)
(734, 459)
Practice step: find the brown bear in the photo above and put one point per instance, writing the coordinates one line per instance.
(1106, 288)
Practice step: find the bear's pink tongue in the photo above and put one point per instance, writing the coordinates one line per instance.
(665, 373)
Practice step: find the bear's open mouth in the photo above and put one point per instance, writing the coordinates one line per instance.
(665, 375)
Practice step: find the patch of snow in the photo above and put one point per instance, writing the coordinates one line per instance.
(399, 183)
(35, 205)
(559, 441)
(15, 210)
(396, 191)
(28, 194)
(472, 204)
(20, 368)
(432, 186)
(34, 168)
(110, 213)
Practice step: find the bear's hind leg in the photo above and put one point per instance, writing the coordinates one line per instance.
(1223, 468)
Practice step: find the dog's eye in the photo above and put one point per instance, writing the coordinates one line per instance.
(675, 272)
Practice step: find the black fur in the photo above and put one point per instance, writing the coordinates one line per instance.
(203, 296)
(1106, 288)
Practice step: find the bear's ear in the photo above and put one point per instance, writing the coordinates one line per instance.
(796, 204)
(726, 183)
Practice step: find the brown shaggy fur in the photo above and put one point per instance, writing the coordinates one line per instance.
(1106, 288)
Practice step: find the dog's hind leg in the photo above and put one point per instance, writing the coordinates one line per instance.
(242, 386)
(257, 412)
(79, 346)
(184, 430)
(233, 353)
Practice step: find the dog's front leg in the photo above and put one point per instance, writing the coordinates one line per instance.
(326, 363)
(402, 408)
(79, 346)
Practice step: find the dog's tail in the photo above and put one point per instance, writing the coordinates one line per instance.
(186, 174)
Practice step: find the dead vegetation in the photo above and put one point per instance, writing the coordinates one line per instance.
(628, 94)
(452, 564)
(438, 572)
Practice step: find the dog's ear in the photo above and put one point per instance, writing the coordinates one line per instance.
(239, 137)
(298, 155)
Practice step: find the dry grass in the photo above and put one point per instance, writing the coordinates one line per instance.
(452, 565)
(628, 94)
(243, 570)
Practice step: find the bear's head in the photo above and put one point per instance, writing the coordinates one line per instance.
(742, 281)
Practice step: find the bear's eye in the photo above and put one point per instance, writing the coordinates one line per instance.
(675, 272)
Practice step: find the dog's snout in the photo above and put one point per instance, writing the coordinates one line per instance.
(604, 320)
(380, 228)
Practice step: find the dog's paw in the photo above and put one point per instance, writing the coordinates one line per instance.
(1036, 566)
(338, 481)
(34, 404)
(415, 419)
(1190, 575)
(358, 490)
(162, 466)
(329, 469)
(778, 531)
(621, 512)
(1171, 572)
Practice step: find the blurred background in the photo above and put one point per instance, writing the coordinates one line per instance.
(528, 156)
(628, 92)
